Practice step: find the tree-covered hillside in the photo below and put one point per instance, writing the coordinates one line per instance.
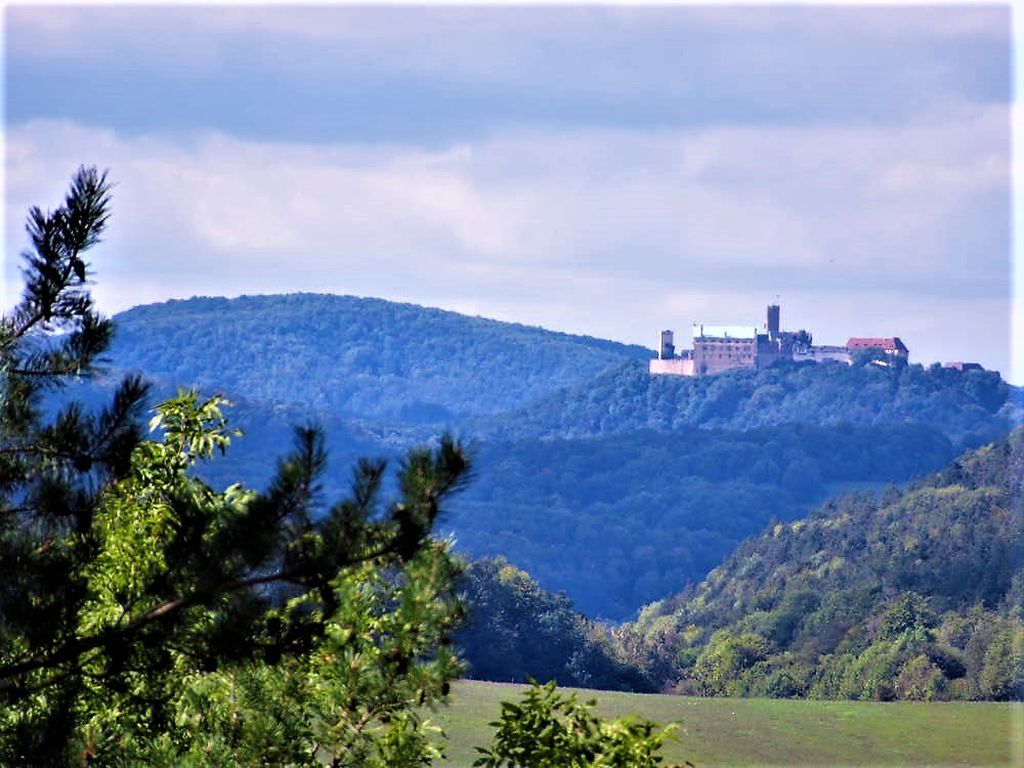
(357, 357)
(602, 481)
(970, 407)
(621, 520)
(916, 594)
(614, 521)
(265, 430)
(516, 631)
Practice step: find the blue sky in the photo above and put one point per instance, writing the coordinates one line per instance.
(610, 170)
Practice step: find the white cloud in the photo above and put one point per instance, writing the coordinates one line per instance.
(614, 233)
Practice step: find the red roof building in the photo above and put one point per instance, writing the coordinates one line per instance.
(891, 345)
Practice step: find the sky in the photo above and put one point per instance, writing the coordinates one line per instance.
(612, 170)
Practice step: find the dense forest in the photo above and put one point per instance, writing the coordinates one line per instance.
(356, 357)
(622, 520)
(911, 594)
(371, 359)
(970, 407)
(615, 521)
(600, 480)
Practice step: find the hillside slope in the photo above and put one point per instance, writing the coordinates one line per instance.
(599, 479)
(620, 520)
(355, 357)
(267, 433)
(916, 594)
(970, 407)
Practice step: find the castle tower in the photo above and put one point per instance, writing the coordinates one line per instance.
(772, 325)
(666, 349)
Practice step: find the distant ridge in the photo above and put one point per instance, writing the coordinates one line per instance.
(358, 357)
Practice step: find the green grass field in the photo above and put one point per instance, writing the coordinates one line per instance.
(767, 732)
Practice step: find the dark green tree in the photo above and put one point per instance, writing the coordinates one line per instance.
(147, 618)
(51, 469)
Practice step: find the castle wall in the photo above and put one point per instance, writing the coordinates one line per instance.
(717, 355)
(674, 367)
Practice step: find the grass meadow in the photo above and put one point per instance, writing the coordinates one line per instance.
(773, 732)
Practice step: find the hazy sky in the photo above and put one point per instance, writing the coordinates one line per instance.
(610, 170)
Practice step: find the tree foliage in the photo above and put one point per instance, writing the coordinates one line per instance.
(149, 618)
(549, 729)
(620, 520)
(969, 407)
(910, 594)
(358, 357)
(517, 631)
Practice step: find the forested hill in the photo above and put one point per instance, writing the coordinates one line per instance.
(970, 407)
(357, 357)
(598, 479)
(916, 594)
(378, 360)
(620, 520)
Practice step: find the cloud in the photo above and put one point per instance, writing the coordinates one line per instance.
(606, 169)
(432, 75)
(426, 37)
(582, 230)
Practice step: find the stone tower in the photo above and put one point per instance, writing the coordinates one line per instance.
(666, 349)
(772, 326)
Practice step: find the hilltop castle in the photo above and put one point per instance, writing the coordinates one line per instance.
(718, 348)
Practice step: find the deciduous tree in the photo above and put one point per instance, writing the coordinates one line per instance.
(553, 730)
